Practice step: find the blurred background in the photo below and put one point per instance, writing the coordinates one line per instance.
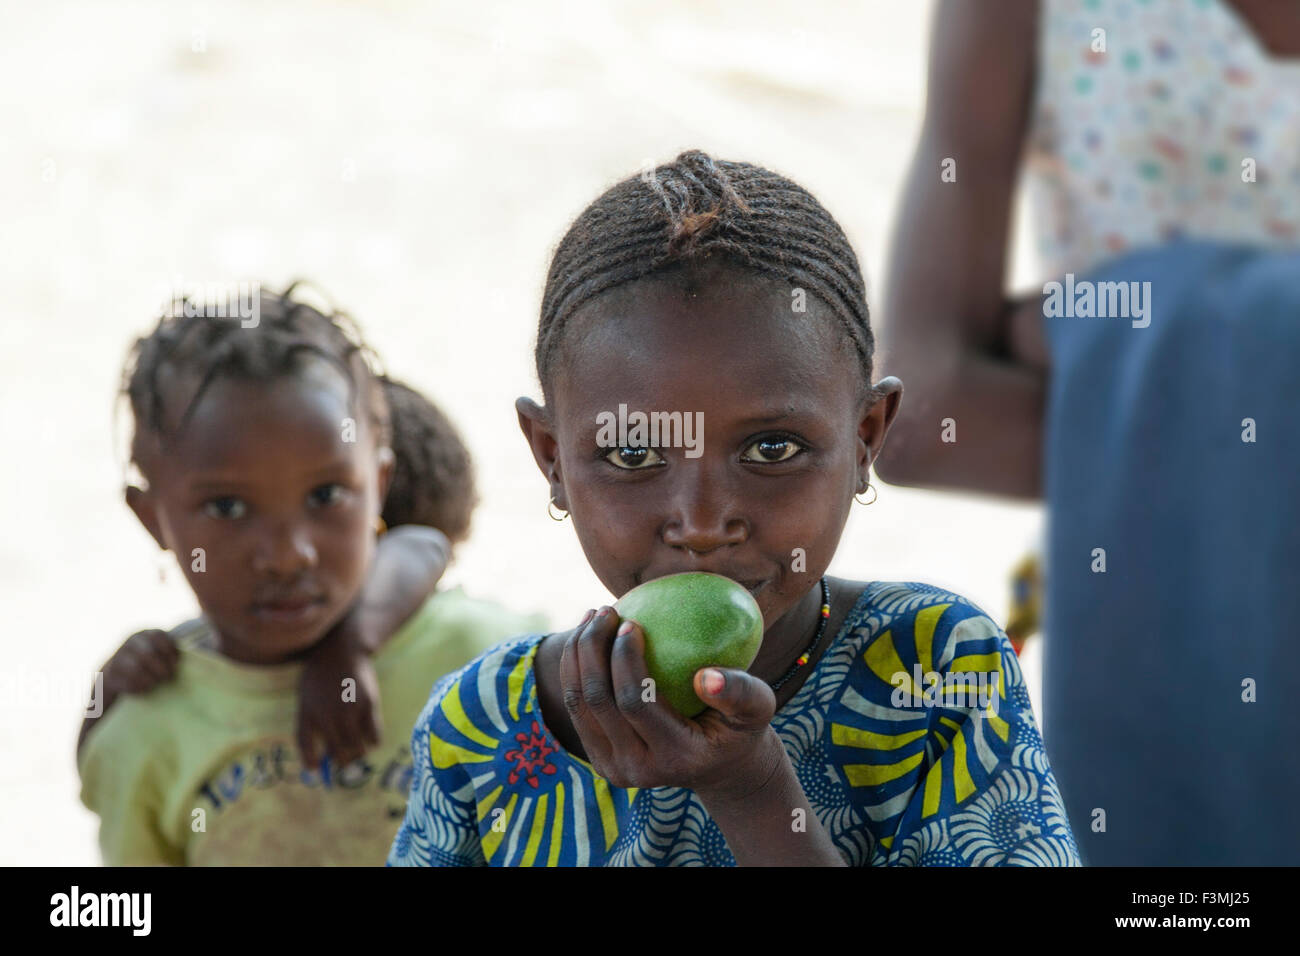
(418, 161)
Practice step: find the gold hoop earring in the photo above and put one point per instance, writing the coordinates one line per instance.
(871, 488)
(550, 510)
(381, 525)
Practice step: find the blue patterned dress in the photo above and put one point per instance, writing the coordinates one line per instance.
(913, 739)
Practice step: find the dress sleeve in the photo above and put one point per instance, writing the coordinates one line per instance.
(985, 795)
(441, 823)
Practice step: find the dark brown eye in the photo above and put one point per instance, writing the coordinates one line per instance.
(226, 507)
(633, 459)
(770, 450)
(326, 495)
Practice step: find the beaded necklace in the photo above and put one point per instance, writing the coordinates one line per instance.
(821, 629)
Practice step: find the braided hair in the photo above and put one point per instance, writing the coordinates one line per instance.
(433, 478)
(685, 211)
(193, 343)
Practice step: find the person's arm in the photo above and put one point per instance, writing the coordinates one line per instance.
(409, 561)
(962, 350)
(145, 659)
(773, 824)
(729, 754)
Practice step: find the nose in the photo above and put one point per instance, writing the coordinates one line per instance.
(285, 549)
(705, 516)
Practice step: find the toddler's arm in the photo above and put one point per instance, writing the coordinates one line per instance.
(409, 562)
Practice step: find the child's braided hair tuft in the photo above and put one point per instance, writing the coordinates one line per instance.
(692, 208)
(433, 476)
(433, 481)
(195, 343)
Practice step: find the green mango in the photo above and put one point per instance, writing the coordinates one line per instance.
(692, 620)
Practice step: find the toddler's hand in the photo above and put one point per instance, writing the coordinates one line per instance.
(145, 660)
(340, 720)
(729, 750)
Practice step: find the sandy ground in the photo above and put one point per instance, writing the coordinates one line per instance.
(419, 161)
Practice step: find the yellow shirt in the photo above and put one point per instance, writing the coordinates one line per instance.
(204, 771)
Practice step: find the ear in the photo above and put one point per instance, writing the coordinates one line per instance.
(880, 408)
(145, 507)
(536, 426)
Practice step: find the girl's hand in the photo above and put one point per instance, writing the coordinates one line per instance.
(409, 561)
(334, 719)
(727, 752)
(145, 660)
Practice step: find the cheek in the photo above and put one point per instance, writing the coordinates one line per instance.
(616, 525)
(799, 527)
(216, 565)
(345, 539)
(612, 532)
(807, 506)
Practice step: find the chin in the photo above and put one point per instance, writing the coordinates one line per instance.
(289, 639)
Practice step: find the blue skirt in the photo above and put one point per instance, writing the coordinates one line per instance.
(1172, 478)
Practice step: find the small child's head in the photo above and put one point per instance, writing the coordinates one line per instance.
(433, 478)
(265, 457)
(726, 293)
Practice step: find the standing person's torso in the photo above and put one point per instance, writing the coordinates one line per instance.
(1159, 119)
(1172, 549)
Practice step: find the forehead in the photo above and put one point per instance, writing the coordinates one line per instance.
(277, 426)
(720, 340)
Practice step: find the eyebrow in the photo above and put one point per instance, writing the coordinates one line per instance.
(216, 481)
(771, 417)
(220, 482)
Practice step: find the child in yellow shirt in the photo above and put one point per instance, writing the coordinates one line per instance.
(267, 452)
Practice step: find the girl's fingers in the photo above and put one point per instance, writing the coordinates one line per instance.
(131, 675)
(342, 739)
(361, 728)
(585, 725)
(153, 668)
(595, 646)
(164, 648)
(744, 700)
(348, 748)
(308, 743)
(660, 727)
(372, 725)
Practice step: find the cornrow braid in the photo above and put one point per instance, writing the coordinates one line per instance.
(205, 347)
(433, 474)
(693, 208)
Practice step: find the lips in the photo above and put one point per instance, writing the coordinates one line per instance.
(753, 583)
(289, 609)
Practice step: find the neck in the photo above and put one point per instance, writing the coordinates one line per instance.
(788, 638)
(242, 653)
